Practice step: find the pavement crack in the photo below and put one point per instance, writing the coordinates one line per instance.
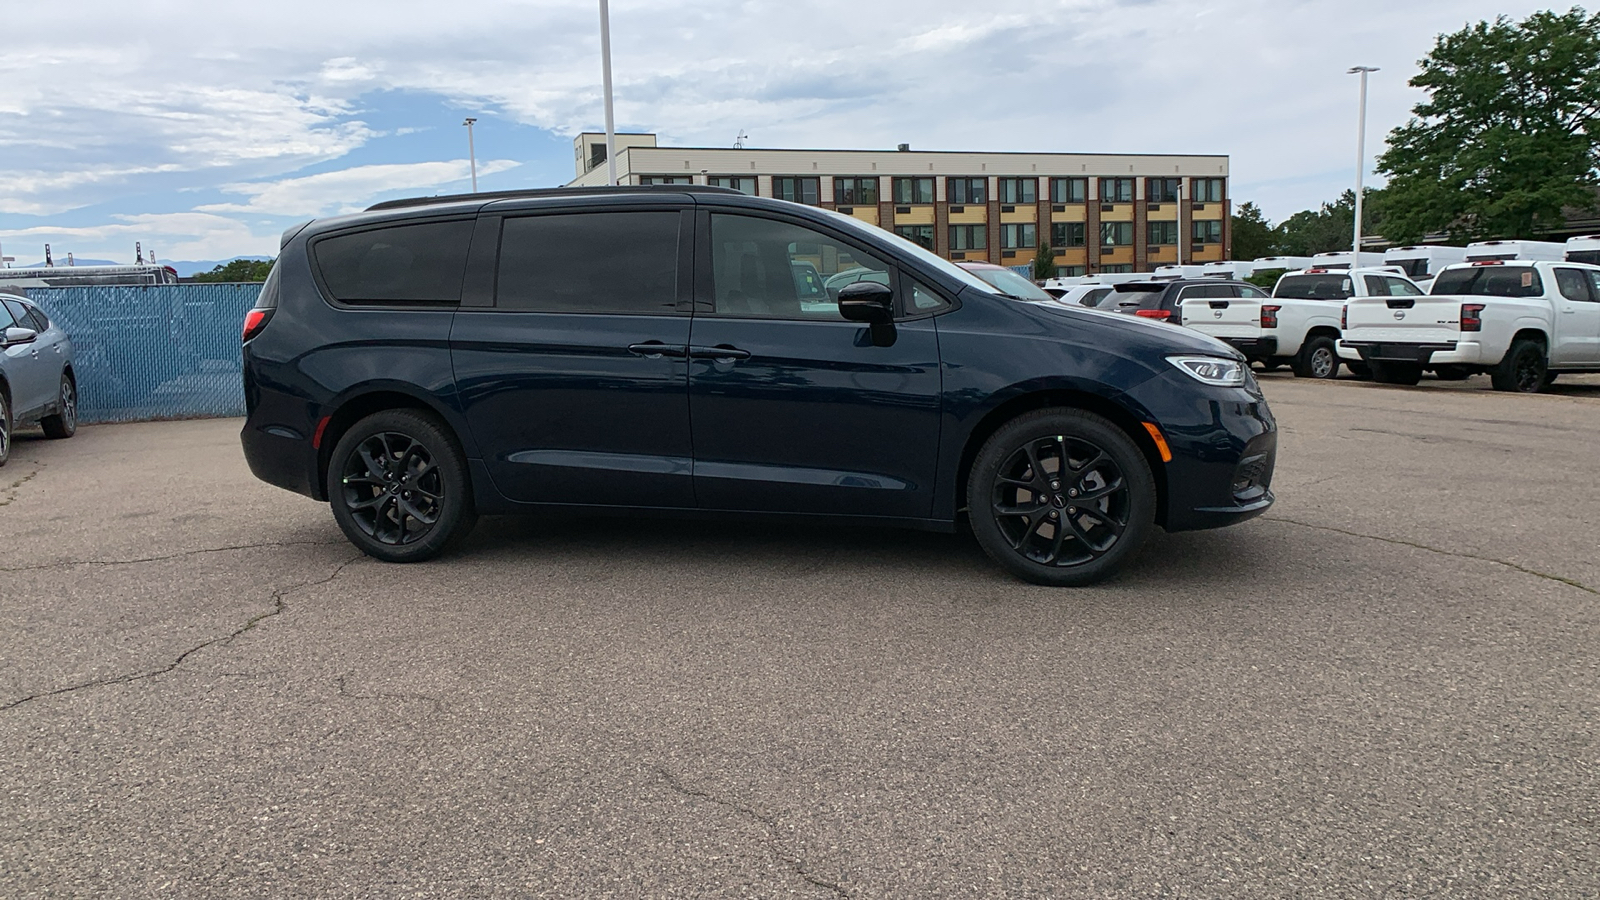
(768, 823)
(1443, 552)
(344, 691)
(278, 606)
(63, 564)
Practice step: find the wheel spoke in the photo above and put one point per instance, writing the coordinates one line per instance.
(1034, 465)
(1006, 509)
(1088, 495)
(1086, 468)
(374, 468)
(411, 510)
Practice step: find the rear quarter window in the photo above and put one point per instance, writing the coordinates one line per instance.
(420, 263)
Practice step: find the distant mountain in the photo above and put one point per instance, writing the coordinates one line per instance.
(62, 261)
(188, 267)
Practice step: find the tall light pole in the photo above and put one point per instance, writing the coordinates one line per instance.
(472, 153)
(1361, 158)
(605, 77)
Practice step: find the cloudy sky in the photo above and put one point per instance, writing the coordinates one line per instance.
(203, 129)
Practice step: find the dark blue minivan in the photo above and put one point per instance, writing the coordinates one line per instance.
(679, 351)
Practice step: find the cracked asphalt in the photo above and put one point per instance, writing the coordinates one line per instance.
(1386, 687)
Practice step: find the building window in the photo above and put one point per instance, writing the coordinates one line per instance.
(1161, 190)
(1071, 271)
(666, 179)
(1162, 233)
(854, 191)
(1019, 190)
(1116, 190)
(744, 184)
(916, 234)
(961, 191)
(1208, 232)
(1123, 269)
(1018, 236)
(968, 237)
(1069, 190)
(1116, 234)
(797, 190)
(913, 190)
(1068, 234)
(1206, 190)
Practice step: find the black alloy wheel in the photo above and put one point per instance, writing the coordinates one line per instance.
(398, 486)
(1523, 370)
(5, 429)
(64, 423)
(1060, 497)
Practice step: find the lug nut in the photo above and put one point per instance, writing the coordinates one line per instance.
(1072, 493)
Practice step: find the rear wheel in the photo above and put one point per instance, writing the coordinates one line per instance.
(1060, 497)
(1396, 372)
(399, 488)
(1319, 358)
(64, 423)
(1523, 369)
(5, 429)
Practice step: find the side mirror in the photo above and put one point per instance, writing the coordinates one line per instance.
(872, 303)
(16, 335)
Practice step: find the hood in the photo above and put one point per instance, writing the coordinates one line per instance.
(1157, 336)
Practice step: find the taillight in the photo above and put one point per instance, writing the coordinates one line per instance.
(1472, 317)
(254, 321)
(1269, 316)
(1153, 314)
(1344, 317)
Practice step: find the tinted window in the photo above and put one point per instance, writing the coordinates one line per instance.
(593, 262)
(1594, 282)
(752, 261)
(1572, 284)
(1314, 287)
(5, 318)
(421, 263)
(1490, 281)
(1399, 287)
(20, 313)
(1376, 286)
(1142, 296)
(40, 323)
(925, 300)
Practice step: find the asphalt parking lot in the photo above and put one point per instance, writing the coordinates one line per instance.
(1386, 687)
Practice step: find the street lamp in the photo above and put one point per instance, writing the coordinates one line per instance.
(472, 154)
(1361, 157)
(605, 77)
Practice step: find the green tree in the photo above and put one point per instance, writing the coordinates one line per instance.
(237, 270)
(1044, 263)
(1508, 135)
(1253, 237)
(1331, 226)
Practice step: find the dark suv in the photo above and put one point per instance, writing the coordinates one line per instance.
(627, 350)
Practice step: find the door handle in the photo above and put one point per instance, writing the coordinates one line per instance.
(719, 352)
(655, 350)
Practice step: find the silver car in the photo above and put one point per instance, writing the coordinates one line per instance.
(37, 383)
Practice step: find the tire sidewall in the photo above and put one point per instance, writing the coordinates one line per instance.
(457, 514)
(1044, 423)
(1309, 353)
(5, 429)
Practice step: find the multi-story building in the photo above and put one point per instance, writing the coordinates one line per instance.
(1097, 212)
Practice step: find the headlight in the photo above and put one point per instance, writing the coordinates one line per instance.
(1213, 370)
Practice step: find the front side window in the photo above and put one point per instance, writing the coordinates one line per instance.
(962, 191)
(1161, 190)
(768, 269)
(1116, 234)
(1377, 286)
(1207, 232)
(968, 237)
(421, 263)
(797, 189)
(1206, 190)
(1068, 234)
(591, 262)
(913, 190)
(921, 235)
(1162, 233)
(1019, 190)
(20, 313)
(666, 179)
(744, 184)
(1019, 235)
(1116, 190)
(1069, 190)
(855, 191)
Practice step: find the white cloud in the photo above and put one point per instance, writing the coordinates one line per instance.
(348, 190)
(173, 235)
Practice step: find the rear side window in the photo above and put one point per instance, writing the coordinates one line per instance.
(1333, 286)
(420, 263)
(1490, 281)
(592, 262)
(1399, 287)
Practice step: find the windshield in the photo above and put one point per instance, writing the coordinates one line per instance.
(922, 254)
(1490, 281)
(1314, 287)
(1011, 284)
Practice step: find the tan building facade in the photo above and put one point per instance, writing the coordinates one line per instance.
(1096, 212)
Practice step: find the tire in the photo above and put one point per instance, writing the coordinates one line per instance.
(1013, 493)
(63, 424)
(1318, 358)
(1358, 369)
(1396, 372)
(1523, 369)
(1452, 373)
(5, 428)
(428, 486)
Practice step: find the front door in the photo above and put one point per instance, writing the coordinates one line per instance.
(31, 370)
(1577, 325)
(793, 408)
(575, 382)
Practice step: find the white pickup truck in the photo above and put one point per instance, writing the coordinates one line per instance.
(1522, 322)
(1299, 324)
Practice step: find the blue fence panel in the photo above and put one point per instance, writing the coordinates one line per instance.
(166, 351)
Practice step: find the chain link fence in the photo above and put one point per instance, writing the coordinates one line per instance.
(153, 351)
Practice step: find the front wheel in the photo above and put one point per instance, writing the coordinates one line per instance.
(1060, 497)
(64, 423)
(1396, 372)
(1319, 358)
(5, 428)
(399, 488)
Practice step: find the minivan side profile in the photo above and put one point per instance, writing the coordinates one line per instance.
(663, 351)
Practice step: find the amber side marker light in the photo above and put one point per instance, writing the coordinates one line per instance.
(1161, 441)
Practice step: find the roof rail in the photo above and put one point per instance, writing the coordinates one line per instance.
(554, 192)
